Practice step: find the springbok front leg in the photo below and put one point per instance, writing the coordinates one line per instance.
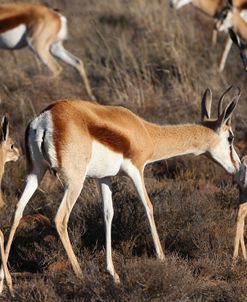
(138, 180)
(31, 186)
(226, 51)
(105, 185)
(58, 50)
(4, 264)
(43, 36)
(239, 237)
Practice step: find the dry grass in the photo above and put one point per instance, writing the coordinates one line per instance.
(142, 55)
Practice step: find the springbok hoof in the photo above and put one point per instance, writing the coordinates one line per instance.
(116, 278)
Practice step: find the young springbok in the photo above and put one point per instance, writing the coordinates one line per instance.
(241, 179)
(215, 9)
(7, 153)
(43, 30)
(77, 139)
(235, 21)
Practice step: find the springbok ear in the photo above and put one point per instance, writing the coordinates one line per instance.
(206, 104)
(235, 39)
(225, 117)
(221, 100)
(4, 128)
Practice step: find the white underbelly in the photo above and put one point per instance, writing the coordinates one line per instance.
(14, 38)
(104, 162)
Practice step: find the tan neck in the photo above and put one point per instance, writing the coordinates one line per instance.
(170, 141)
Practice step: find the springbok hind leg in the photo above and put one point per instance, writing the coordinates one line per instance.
(60, 52)
(239, 237)
(105, 185)
(33, 180)
(41, 49)
(71, 195)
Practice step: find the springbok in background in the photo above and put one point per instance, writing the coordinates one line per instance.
(241, 179)
(43, 30)
(212, 8)
(215, 9)
(77, 139)
(7, 153)
(235, 21)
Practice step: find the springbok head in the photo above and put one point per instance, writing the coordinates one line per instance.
(221, 148)
(8, 152)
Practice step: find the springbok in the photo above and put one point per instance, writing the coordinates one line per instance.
(7, 153)
(212, 8)
(43, 30)
(77, 139)
(215, 9)
(241, 179)
(235, 21)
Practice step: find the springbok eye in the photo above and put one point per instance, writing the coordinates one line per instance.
(12, 147)
(230, 138)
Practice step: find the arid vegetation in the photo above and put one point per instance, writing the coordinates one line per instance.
(157, 62)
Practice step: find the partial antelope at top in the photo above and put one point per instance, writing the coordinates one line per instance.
(215, 9)
(235, 21)
(210, 7)
(78, 139)
(43, 30)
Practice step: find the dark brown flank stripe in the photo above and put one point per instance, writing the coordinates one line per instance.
(12, 22)
(242, 6)
(109, 137)
(115, 141)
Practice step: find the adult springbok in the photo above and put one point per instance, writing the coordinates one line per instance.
(77, 139)
(43, 30)
(235, 21)
(7, 153)
(216, 10)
